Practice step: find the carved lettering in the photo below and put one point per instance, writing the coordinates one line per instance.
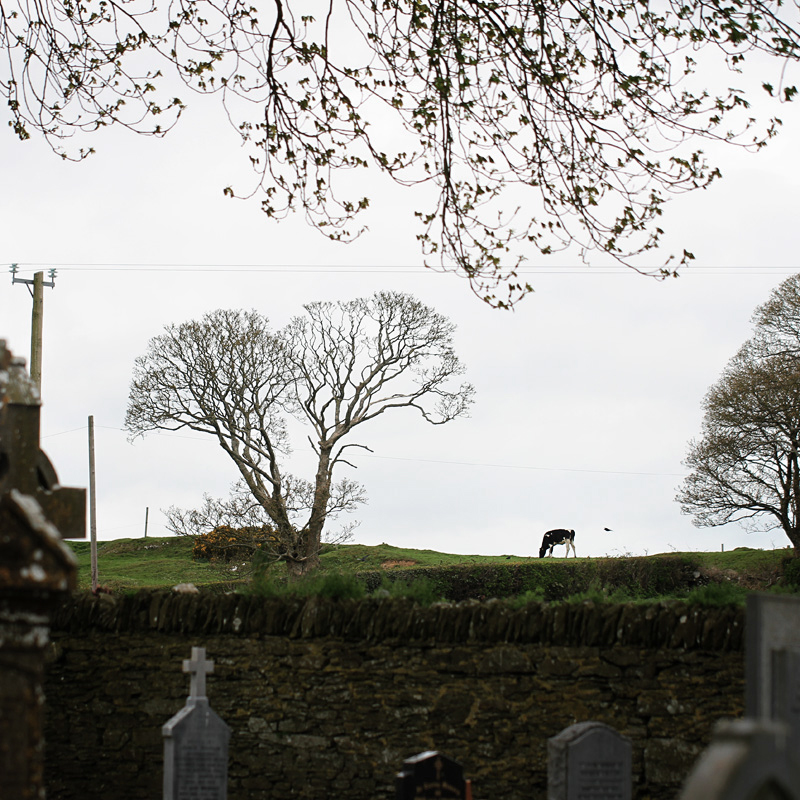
(201, 771)
(600, 780)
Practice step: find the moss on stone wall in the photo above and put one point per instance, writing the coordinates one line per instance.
(326, 698)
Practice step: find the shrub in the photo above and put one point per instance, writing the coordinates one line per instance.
(526, 598)
(421, 590)
(340, 585)
(225, 543)
(717, 594)
(632, 578)
(600, 594)
(791, 572)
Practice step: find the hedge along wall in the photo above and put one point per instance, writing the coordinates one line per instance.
(326, 698)
(637, 577)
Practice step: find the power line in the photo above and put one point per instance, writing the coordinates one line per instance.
(209, 440)
(527, 467)
(372, 268)
(523, 271)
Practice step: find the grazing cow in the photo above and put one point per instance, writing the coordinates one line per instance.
(558, 536)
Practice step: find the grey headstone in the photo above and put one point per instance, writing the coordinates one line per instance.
(772, 686)
(589, 761)
(748, 759)
(430, 775)
(196, 743)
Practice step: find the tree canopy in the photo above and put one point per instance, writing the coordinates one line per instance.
(537, 126)
(335, 368)
(745, 468)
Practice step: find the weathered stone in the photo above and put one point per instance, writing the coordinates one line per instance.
(589, 761)
(747, 760)
(773, 661)
(36, 573)
(195, 742)
(368, 699)
(666, 760)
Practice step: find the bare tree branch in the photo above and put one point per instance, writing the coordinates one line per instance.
(340, 365)
(535, 127)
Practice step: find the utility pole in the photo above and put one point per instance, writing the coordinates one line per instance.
(36, 288)
(146, 515)
(92, 506)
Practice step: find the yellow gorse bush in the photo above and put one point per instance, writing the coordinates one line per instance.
(226, 544)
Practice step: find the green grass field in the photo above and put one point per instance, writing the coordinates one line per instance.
(131, 564)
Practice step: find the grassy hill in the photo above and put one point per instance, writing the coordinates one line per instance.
(131, 564)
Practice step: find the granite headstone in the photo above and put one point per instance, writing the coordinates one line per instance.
(589, 761)
(772, 646)
(196, 742)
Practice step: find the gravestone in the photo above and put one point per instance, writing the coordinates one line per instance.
(431, 775)
(196, 742)
(589, 761)
(758, 758)
(772, 661)
(37, 572)
(748, 759)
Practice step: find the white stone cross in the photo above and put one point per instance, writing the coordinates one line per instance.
(199, 668)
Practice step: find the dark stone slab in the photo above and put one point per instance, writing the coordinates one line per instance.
(430, 775)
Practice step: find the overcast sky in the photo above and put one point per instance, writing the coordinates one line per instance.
(587, 394)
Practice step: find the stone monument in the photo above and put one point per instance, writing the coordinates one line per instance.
(772, 661)
(37, 571)
(431, 775)
(748, 759)
(589, 761)
(196, 742)
(758, 757)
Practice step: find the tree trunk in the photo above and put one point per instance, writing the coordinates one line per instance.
(297, 568)
(794, 538)
(308, 548)
(302, 555)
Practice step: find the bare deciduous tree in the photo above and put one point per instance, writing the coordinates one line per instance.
(337, 367)
(582, 116)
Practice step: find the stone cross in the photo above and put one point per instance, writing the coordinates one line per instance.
(196, 742)
(23, 465)
(748, 759)
(37, 570)
(199, 668)
(758, 758)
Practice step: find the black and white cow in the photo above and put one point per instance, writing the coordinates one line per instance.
(558, 536)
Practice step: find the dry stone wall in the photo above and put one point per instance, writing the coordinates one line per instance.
(326, 698)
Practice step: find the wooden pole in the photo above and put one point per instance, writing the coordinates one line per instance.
(37, 320)
(92, 505)
(146, 515)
